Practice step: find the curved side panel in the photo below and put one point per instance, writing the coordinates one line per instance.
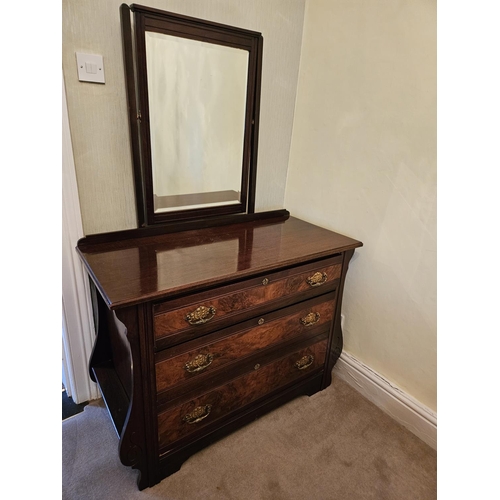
(110, 364)
(133, 447)
(337, 342)
(118, 362)
(101, 350)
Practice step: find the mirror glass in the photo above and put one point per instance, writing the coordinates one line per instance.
(197, 94)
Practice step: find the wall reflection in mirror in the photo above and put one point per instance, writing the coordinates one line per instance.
(197, 95)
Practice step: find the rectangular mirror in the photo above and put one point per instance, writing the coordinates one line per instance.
(194, 90)
(197, 102)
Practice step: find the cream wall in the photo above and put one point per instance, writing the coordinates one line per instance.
(363, 163)
(98, 113)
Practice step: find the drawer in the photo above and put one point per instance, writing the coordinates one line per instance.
(182, 319)
(204, 410)
(176, 366)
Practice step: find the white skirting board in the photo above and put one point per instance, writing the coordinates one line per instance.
(410, 413)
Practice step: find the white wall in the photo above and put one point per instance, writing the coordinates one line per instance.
(98, 113)
(363, 163)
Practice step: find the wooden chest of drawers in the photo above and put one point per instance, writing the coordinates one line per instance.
(201, 332)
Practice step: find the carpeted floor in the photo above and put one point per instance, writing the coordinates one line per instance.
(333, 445)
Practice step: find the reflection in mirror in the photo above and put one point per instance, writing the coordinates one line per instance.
(197, 99)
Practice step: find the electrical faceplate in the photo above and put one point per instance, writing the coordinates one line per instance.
(90, 68)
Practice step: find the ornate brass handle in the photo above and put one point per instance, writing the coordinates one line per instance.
(197, 415)
(199, 363)
(201, 315)
(305, 362)
(317, 279)
(310, 319)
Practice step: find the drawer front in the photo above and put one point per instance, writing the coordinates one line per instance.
(189, 417)
(201, 313)
(177, 369)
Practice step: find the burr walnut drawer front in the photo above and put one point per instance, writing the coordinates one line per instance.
(187, 418)
(180, 320)
(190, 360)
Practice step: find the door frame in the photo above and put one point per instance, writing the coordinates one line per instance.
(78, 333)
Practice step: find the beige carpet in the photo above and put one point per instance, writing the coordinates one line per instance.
(333, 445)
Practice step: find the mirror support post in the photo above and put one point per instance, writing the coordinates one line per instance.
(133, 112)
(252, 185)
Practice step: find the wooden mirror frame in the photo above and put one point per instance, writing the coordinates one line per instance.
(149, 19)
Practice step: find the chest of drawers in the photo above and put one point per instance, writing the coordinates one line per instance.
(200, 332)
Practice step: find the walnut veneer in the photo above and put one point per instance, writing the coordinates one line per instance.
(201, 331)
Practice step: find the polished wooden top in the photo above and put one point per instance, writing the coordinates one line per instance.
(135, 270)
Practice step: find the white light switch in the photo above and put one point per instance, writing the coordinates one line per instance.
(90, 68)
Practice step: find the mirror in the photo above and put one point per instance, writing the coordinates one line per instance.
(193, 88)
(197, 97)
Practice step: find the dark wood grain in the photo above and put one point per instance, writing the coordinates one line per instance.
(137, 447)
(172, 370)
(255, 128)
(265, 310)
(188, 267)
(119, 364)
(190, 389)
(181, 18)
(114, 237)
(244, 301)
(235, 327)
(144, 269)
(133, 112)
(336, 342)
(238, 393)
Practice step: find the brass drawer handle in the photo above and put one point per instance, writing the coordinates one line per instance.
(201, 315)
(197, 415)
(310, 319)
(199, 363)
(305, 362)
(317, 279)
